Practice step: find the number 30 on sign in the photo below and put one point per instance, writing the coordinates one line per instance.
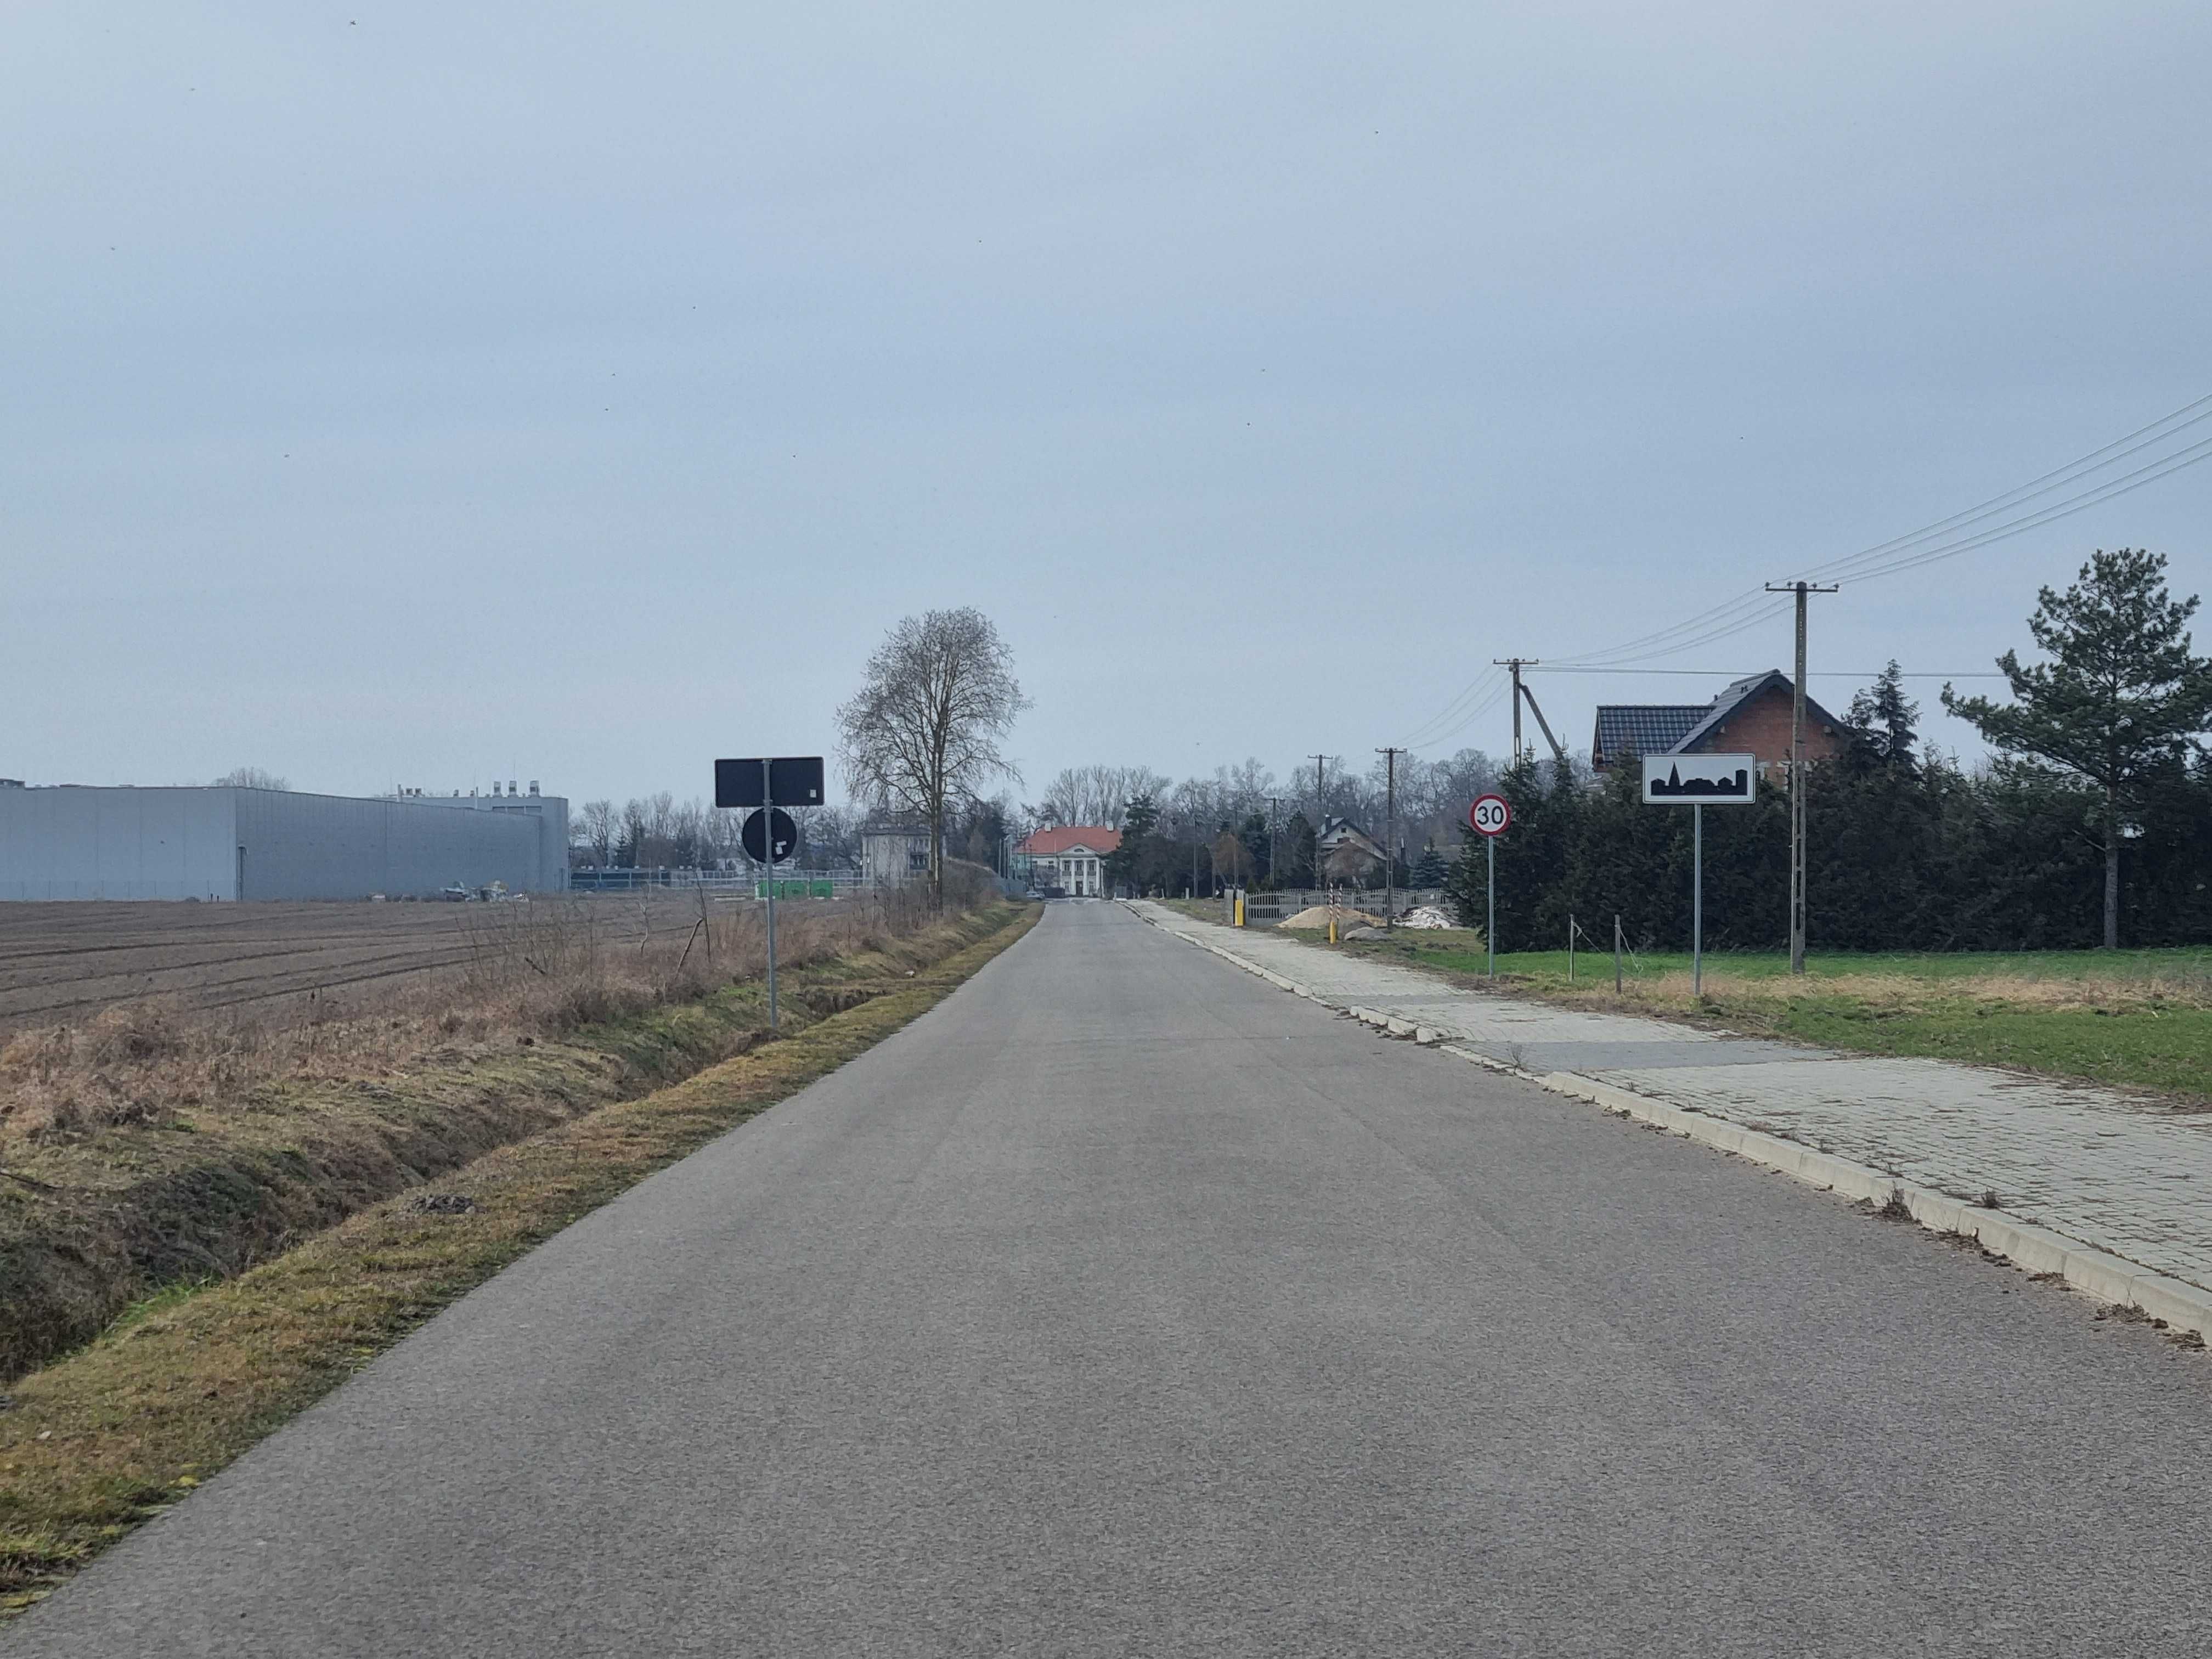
(1490, 815)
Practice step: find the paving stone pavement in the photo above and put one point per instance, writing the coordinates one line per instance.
(2127, 1175)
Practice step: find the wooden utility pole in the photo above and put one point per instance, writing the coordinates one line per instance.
(1321, 814)
(1798, 777)
(1274, 865)
(1521, 694)
(1517, 663)
(1390, 836)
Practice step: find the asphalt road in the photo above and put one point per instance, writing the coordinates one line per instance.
(1124, 1305)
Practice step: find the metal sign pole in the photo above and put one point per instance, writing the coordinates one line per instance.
(1698, 901)
(768, 846)
(1490, 914)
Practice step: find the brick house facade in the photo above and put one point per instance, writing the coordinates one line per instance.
(1750, 716)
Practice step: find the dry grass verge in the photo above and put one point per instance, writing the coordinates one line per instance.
(185, 1383)
(153, 1147)
(2139, 1020)
(538, 968)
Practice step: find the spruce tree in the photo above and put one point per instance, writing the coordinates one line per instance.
(1430, 869)
(1296, 849)
(1129, 864)
(2121, 700)
(1886, 721)
(1253, 832)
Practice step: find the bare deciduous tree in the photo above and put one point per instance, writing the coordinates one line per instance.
(250, 777)
(925, 728)
(1231, 861)
(1098, 795)
(597, 819)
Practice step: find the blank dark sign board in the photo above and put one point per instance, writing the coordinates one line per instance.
(793, 780)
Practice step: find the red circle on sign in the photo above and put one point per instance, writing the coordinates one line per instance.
(1490, 816)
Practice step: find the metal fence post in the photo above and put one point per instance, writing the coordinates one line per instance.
(1698, 901)
(768, 846)
(1490, 912)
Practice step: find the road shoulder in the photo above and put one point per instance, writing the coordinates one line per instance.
(1728, 1093)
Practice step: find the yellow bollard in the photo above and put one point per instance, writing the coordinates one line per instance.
(1240, 910)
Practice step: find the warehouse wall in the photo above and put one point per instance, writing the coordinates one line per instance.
(329, 846)
(92, 843)
(71, 844)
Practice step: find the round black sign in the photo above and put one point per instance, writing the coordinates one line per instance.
(759, 826)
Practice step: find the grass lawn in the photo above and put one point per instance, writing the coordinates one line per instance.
(1204, 910)
(2135, 1019)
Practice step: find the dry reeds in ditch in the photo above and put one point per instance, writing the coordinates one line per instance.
(531, 970)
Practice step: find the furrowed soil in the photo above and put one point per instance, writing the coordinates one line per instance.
(188, 1379)
(173, 1168)
(68, 962)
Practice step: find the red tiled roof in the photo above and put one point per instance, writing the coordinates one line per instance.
(1047, 842)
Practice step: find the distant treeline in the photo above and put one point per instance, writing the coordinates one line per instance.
(1902, 854)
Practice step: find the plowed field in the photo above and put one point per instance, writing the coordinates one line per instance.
(66, 961)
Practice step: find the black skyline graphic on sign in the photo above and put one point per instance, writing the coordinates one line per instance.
(1738, 788)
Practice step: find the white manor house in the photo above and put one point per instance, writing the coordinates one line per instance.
(1070, 857)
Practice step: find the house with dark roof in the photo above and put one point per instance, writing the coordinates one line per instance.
(1750, 716)
(1337, 834)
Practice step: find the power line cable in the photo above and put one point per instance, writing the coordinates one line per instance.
(2150, 473)
(2073, 472)
(1492, 681)
(1665, 641)
(1746, 611)
(1814, 674)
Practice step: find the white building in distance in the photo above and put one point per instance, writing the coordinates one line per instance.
(893, 851)
(1071, 858)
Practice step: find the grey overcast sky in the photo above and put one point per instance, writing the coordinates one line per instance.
(429, 394)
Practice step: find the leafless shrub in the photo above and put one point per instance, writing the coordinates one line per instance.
(134, 1033)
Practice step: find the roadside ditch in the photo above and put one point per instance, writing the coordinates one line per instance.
(90, 1225)
(188, 1378)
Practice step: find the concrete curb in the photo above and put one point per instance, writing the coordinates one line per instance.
(2099, 1274)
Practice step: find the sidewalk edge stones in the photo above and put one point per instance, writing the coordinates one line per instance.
(2037, 1249)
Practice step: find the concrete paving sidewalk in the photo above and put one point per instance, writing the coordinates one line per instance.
(2127, 1177)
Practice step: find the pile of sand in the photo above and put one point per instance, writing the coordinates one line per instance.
(1317, 919)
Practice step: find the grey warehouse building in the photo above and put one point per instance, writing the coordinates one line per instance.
(72, 842)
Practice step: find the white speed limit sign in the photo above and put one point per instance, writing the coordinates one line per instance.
(1490, 816)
